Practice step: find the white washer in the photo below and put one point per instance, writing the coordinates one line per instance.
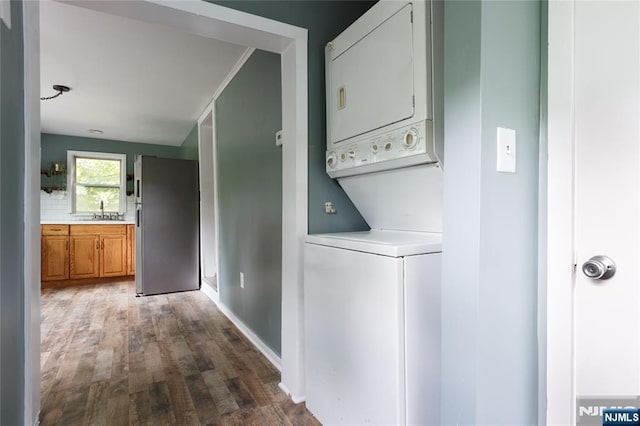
(372, 299)
(372, 327)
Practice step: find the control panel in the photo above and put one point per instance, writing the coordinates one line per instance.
(403, 146)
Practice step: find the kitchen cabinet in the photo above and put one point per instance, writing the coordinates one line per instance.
(113, 255)
(131, 249)
(74, 253)
(98, 251)
(85, 256)
(54, 256)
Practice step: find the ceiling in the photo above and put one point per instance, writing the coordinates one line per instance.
(135, 81)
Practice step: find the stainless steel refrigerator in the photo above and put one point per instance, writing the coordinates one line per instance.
(167, 225)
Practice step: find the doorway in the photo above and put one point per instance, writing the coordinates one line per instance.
(225, 24)
(208, 231)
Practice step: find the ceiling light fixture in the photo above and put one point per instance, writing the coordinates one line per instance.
(96, 131)
(60, 89)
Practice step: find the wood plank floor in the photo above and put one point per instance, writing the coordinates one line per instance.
(110, 358)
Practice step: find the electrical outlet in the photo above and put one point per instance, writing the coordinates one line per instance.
(328, 208)
(241, 279)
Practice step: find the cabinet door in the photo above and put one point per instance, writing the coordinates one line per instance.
(131, 249)
(113, 262)
(55, 257)
(85, 256)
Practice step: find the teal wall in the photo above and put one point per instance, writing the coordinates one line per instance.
(324, 21)
(12, 201)
(189, 147)
(248, 114)
(54, 149)
(489, 321)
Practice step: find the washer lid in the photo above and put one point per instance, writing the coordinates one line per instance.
(382, 242)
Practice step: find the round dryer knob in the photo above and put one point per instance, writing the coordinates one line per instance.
(343, 156)
(388, 145)
(375, 148)
(331, 160)
(411, 139)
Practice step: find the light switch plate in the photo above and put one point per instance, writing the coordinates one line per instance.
(506, 162)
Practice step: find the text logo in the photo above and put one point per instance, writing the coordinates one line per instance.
(624, 416)
(620, 411)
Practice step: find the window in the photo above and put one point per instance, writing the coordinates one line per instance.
(97, 178)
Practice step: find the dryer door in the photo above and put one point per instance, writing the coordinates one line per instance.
(371, 83)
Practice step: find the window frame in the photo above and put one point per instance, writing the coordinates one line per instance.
(71, 176)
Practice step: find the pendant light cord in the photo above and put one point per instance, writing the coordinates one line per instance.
(61, 89)
(52, 97)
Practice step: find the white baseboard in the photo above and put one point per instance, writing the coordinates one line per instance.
(206, 288)
(253, 338)
(295, 399)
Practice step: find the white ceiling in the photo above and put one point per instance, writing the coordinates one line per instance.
(138, 82)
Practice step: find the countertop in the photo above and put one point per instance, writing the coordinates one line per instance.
(87, 222)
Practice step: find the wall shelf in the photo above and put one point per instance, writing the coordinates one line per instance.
(49, 173)
(50, 189)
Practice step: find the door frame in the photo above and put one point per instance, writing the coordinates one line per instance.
(31, 40)
(559, 237)
(221, 23)
(211, 109)
(214, 294)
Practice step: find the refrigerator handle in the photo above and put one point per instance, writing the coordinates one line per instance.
(138, 218)
(137, 188)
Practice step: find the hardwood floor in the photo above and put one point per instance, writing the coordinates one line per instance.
(110, 358)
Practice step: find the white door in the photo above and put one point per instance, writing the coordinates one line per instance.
(594, 138)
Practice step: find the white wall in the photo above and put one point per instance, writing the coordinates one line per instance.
(55, 207)
(489, 289)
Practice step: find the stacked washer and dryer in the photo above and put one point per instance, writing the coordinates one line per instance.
(372, 299)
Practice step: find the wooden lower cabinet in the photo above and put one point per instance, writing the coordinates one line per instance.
(55, 257)
(80, 252)
(131, 249)
(113, 255)
(85, 256)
